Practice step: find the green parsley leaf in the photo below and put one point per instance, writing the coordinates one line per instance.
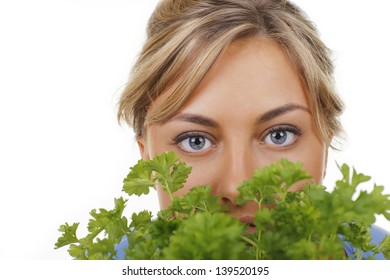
(68, 235)
(139, 180)
(170, 173)
(198, 199)
(384, 247)
(274, 179)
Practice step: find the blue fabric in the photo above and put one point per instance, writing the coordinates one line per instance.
(120, 248)
(377, 235)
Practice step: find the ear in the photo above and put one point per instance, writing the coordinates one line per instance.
(326, 161)
(142, 147)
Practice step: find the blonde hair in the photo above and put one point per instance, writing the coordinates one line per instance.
(186, 37)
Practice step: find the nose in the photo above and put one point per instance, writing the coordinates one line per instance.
(235, 166)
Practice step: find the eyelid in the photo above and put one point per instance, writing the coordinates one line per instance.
(286, 127)
(189, 134)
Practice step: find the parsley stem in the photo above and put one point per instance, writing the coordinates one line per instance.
(251, 242)
(259, 203)
(168, 188)
(258, 252)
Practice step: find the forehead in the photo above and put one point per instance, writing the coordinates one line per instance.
(252, 75)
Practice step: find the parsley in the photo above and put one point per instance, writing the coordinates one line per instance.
(308, 224)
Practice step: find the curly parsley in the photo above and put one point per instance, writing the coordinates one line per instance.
(308, 224)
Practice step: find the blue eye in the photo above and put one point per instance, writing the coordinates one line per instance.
(282, 136)
(193, 143)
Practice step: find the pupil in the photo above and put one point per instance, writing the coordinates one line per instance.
(197, 143)
(279, 137)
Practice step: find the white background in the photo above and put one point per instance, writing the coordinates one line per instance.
(63, 64)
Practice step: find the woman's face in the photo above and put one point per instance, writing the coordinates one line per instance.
(249, 111)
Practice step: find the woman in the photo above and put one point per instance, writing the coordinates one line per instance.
(231, 86)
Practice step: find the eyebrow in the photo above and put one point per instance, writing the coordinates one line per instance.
(269, 115)
(280, 111)
(194, 118)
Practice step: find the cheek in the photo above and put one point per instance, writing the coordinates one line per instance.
(202, 174)
(314, 163)
(316, 169)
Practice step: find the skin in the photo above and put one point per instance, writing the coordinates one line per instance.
(251, 89)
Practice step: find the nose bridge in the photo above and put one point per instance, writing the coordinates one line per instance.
(237, 165)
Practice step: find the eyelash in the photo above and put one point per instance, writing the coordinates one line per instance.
(186, 135)
(284, 127)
